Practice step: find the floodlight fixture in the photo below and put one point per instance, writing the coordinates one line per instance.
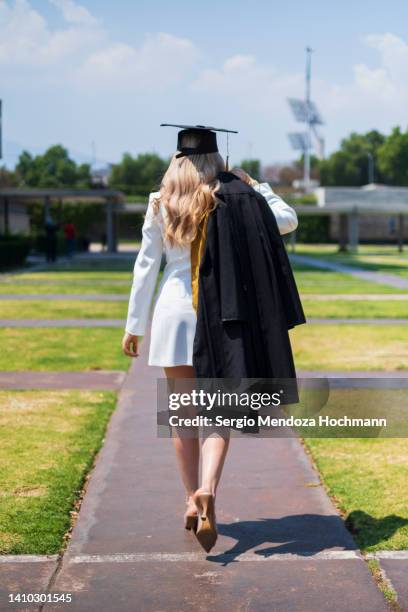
(305, 111)
(299, 140)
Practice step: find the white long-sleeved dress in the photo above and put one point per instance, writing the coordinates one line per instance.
(174, 318)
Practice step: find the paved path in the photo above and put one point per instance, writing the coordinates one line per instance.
(105, 379)
(282, 545)
(24, 574)
(353, 374)
(84, 297)
(355, 297)
(381, 278)
(97, 379)
(286, 549)
(125, 253)
(62, 323)
(12, 280)
(115, 297)
(38, 323)
(356, 321)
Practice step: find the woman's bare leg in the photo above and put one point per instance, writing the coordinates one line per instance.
(187, 446)
(214, 445)
(213, 452)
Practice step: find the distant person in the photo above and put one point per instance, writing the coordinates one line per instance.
(51, 229)
(392, 226)
(85, 243)
(69, 232)
(104, 242)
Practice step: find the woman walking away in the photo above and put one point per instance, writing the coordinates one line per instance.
(179, 222)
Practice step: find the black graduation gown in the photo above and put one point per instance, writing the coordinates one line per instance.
(247, 295)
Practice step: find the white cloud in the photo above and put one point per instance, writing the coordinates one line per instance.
(377, 94)
(393, 55)
(27, 40)
(160, 61)
(386, 84)
(82, 55)
(249, 84)
(74, 12)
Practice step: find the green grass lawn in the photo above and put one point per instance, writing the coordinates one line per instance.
(62, 349)
(350, 347)
(48, 441)
(354, 309)
(61, 309)
(368, 479)
(312, 280)
(69, 275)
(68, 309)
(316, 347)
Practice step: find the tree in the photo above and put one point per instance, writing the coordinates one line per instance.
(138, 175)
(314, 166)
(8, 178)
(288, 174)
(52, 169)
(393, 157)
(350, 165)
(253, 167)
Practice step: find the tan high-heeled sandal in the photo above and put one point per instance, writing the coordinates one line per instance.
(207, 527)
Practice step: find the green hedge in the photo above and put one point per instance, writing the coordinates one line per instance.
(313, 229)
(13, 250)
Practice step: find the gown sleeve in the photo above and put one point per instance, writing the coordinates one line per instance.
(145, 273)
(285, 215)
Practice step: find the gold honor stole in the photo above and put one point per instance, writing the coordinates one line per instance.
(197, 250)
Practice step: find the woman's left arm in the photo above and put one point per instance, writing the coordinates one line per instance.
(285, 215)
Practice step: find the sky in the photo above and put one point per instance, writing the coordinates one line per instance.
(99, 76)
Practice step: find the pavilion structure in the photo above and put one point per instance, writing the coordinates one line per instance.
(13, 201)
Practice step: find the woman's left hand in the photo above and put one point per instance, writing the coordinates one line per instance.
(130, 345)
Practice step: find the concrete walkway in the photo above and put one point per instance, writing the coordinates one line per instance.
(14, 280)
(355, 297)
(91, 380)
(282, 545)
(38, 323)
(62, 323)
(392, 280)
(105, 379)
(84, 297)
(356, 321)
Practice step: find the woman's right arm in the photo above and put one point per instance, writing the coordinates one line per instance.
(285, 215)
(145, 273)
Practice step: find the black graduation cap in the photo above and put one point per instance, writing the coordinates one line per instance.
(207, 138)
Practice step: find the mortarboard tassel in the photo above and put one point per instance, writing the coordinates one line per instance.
(227, 158)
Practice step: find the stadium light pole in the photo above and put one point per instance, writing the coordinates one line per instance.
(306, 168)
(305, 111)
(1, 130)
(370, 168)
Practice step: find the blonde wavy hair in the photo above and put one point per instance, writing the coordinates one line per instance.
(188, 191)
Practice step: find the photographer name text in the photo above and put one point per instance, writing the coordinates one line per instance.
(268, 421)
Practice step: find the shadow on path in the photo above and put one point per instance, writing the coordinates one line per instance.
(369, 531)
(303, 534)
(300, 534)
